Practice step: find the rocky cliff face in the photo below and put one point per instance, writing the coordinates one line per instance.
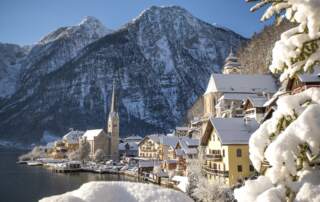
(161, 62)
(11, 56)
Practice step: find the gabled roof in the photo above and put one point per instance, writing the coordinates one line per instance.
(241, 83)
(155, 138)
(73, 136)
(257, 101)
(230, 130)
(170, 141)
(189, 142)
(91, 134)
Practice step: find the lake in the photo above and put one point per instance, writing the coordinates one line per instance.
(29, 184)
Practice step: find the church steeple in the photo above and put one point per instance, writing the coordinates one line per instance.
(113, 99)
(232, 66)
(113, 124)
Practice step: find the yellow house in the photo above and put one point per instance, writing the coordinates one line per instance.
(225, 149)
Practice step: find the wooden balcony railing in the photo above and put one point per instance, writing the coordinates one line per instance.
(213, 157)
(214, 171)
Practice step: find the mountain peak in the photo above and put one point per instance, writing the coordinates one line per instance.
(89, 20)
(159, 10)
(89, 25)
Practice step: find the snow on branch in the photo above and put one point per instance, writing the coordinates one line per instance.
(297, 50)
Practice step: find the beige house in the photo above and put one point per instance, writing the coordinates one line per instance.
(149, 147)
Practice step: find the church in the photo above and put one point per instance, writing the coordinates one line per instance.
(107, 139)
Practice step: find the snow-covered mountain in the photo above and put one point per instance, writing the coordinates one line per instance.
(161, 62)
(11, 56)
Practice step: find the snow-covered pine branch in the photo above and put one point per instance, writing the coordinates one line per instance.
(297, 50)
(286, 148)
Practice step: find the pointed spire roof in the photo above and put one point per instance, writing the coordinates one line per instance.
(113, 108)
(113, 99)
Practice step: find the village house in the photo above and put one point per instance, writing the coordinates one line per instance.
(168, 146)
(59, 150)
(71, 139)
(181, 131)
(128, 149)
(254, 108)
(149, 147)
(225, 149)
(106, 139)
(302, 82)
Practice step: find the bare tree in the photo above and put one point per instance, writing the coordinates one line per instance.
(99, 155)
(35, 153)
(201, 189)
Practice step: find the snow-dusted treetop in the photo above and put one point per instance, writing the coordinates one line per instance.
(296, 51)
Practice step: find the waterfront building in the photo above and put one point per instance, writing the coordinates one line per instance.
(71, 139)
(106, 139)
(149, 147)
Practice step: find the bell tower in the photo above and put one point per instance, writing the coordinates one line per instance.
(113, 125)
(232, 66)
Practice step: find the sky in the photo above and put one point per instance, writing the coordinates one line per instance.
(25, 22)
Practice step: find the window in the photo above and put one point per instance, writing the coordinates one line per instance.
(239, 153)
(239, 168)
(223, 153)
(251, 168)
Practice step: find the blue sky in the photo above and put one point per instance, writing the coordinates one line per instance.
(26, 21)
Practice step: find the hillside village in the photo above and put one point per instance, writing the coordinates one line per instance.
(234, 105)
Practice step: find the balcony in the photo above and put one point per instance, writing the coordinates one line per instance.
(215, 171)
(213, 157)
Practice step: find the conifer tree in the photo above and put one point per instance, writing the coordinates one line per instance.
(286, 148)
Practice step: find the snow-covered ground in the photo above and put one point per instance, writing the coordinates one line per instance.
(119, 192)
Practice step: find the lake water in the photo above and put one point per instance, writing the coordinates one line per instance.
(29, 184)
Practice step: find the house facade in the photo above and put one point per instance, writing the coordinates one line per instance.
(225, 150)
(149, 147)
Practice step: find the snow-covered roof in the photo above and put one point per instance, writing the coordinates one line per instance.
(73, 136)
(148, 163)
(258, 101)
(189, 141)
(241, 83)
(234, 130)
(170, 141)
(155, 138)
(90, 134)
(310, 78)
(133, 138)
(236, 96)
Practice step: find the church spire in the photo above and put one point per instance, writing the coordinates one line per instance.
(113, 99)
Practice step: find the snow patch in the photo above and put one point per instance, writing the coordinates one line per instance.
(119, 192)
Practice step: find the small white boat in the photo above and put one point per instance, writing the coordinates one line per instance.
(34, 163)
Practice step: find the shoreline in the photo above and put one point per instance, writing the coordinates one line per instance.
(139, 177)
